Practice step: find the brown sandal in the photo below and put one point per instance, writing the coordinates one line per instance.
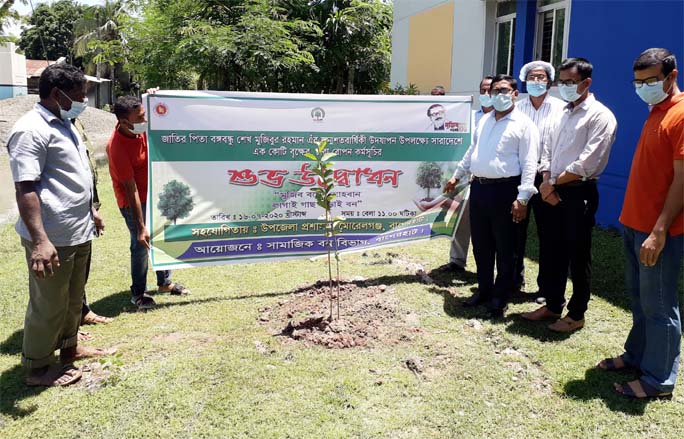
(56, 375)
(638, 389)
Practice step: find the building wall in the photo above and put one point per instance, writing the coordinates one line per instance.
(611, 34)
(12, 73)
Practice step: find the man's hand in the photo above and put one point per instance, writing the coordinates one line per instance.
(546, 189)
(144, 237)
(44, 259)
(450, 185)
(552, 198)
(99, 223)
(152, 91)
(651, 248)
(518, 211)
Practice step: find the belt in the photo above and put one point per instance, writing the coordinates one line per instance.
(483, 180)
(577, 183)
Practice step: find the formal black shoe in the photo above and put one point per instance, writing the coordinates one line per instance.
(454, 267)
(496, 312)
(475, 300)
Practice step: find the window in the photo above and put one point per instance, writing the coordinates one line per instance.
(505, 36)
(552, 31)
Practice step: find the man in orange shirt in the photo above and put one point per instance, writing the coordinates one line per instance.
(127, 152)
(654, 232)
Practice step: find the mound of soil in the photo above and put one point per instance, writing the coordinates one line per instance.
(369, 314)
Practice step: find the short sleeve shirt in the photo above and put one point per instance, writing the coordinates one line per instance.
(652, 173)
(49, 151)
(128, 161)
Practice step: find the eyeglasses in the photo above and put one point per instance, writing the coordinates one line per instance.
(503, 90)
(569, 82)
(653, 80)
(537, 78)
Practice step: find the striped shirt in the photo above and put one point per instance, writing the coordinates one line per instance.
(543, 117)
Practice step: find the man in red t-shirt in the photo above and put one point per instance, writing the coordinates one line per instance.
(127, 152)
(654, 232)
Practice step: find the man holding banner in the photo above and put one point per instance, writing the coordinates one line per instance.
(127, 153)
(502, 160)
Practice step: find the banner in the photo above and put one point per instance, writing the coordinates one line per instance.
(228, 180)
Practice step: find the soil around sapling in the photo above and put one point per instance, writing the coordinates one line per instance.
(370, 314)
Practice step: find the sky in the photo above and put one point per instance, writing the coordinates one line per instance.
(15, 29)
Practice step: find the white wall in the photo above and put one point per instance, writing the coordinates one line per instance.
(13, 70)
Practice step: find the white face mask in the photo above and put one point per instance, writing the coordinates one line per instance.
(76, 108)
(502, 102)
(485, 100)
(569, 92)
(139, 128)
(652, 94)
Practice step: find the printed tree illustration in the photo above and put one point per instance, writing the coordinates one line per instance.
(175, 201)
(429, 177)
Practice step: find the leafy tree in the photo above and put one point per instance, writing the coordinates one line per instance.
(51, 31)
(261, 45)
(8, 14)
(175, 201)
(97, 37)
(429, 176)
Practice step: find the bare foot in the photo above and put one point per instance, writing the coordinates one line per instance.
(84, 336)
(81, 352)
(93, 319)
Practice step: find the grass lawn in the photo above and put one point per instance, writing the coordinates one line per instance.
(195, 367)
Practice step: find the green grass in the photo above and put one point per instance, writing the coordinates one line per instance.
(190, 368)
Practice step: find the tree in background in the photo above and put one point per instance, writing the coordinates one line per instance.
(7, 14)
(319, 46)
(51, 31)
(97, 37)
(175, 201)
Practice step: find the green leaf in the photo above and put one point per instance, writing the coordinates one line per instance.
(310, 156)
(327, 156)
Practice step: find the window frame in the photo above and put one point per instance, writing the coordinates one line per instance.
(539, 25)
(500, 21)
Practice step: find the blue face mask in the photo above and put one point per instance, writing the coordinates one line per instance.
(76, 108)
(485, 100)
(569, 92)
(536, 89)
(502, 102)
(652, 94)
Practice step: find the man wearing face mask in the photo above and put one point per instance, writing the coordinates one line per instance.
(654, 232)
(572, 161)
(54, 191)
(542, 109)
(127, 152)
(502, 160)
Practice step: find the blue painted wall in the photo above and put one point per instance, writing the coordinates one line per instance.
(7, 91)
(611, 34)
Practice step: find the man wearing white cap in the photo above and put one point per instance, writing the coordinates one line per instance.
(542, 109)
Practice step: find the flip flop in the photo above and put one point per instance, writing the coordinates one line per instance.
(638, 389)
(615, 364)
(57, 375)
(84, 336)
(177, 289)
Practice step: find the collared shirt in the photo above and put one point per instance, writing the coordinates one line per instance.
(543, 117)
(50, 152)
(503, 148)
(660, 144)
(580, 140)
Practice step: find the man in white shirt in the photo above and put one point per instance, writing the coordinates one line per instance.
(543, 109)
(502, 160)
(460, 242)
(571, 162)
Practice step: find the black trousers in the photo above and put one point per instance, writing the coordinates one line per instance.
(573, 220)
(539, 209)
(85, 309)
(494, 236)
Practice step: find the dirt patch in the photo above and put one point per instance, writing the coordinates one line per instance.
(370, 314)
(176, 337)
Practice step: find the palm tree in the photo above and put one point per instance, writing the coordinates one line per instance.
(99, 23)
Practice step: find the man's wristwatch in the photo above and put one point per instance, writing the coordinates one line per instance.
(523, 202)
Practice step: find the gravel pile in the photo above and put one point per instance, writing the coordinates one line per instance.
(98, 124)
